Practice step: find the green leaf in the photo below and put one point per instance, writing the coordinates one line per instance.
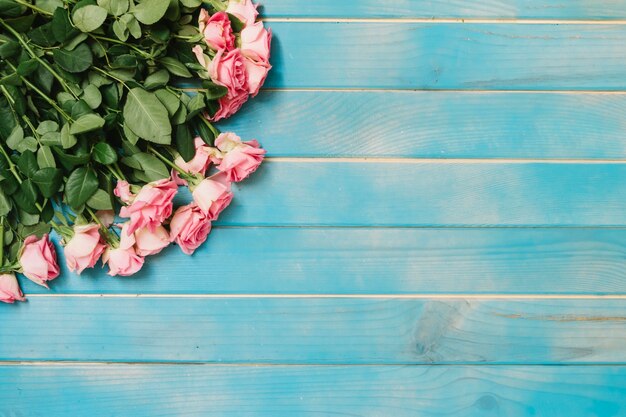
(156, 79)
(10, 8)
(185, 142)
(120, 29)
(86, 123)
(104, 153)
(80, 108)
(75, 41)
(149, 12)
(48, 180)
(25, 219)
(175, 67)
(5, 205)
(235, 23)
(77, 60)
(214, 91)
(42, 35)
(195, 106)
(27, 163)
(169, 100)
(26, 197)
(132, 24)
(51, 139)
(147, 117)
(191, 3)
(16, 136)
(80, 186)
(47, 126)
(92, 96)
(45, 159)
(67, 139)
(9, 49)
(62, 28)
(101, 200)
(204, 132)
(114, 7)
(152, 168)
(25, 68)
(22, 23)
(49, 5)
(89, 18)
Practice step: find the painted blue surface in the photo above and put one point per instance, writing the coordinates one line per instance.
(374, 248)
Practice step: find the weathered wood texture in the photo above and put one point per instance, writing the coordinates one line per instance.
(440, 56)
(368, 391)
(376, 261)
(467, 9)
(435, 124)
(431, 193)
(316, 330)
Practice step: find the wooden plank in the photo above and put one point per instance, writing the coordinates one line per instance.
(492, 9)
(429, 124)
(376, 261)
(368, 391)
(315, 330)
(431, 193)
(448, 56)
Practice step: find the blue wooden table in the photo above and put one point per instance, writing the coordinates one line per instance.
(440, 230)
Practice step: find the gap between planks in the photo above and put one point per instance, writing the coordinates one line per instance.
(425, 90)
(442, 20)
(352, 296)
(411, 160)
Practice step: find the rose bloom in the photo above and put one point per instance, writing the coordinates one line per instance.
(212, 196)
(257, 73)
(152, 205)
(240, 158)
(122, 191)
(9, 289)
(217, 31)
(227, 69)
(244, 10)
(198, 164)
(255, 42)
(189, 228)
(39, 260)
(84, 249)
(148, 242)
(123, 260)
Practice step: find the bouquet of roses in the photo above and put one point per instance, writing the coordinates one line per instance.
(97, 133)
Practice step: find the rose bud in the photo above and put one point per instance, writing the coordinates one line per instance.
(123, 260)
(217, 31)
(244, 10)
(9, 289)
(152, 205)
(212, 196)
(84, 248)
(122, 191)
(148, 242)
(240, 158)
(189, 228)
(39, 260)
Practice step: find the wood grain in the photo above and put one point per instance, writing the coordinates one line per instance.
(428, 124)
(431, 193)
(315, 330)
(375, 261)
(486, 9)
(366, 391)
(436, 56)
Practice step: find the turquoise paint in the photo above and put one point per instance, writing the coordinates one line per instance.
(369, 391)
(298, 260)
(431, 193)
(442, 56)
(468, 9)
(315, 330)
(435, 124)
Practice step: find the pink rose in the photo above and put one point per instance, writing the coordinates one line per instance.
(85, 248)
(148, 242)
(212, 196)
(123, 260)
(197, 165)
(255, 42)
(10, 290)
(229, 70)
(189, 228)
(257, 73)
(240, 158)
(39, 260)
(244, 10)
(122, 191)
(217, 31)
(152, 205)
